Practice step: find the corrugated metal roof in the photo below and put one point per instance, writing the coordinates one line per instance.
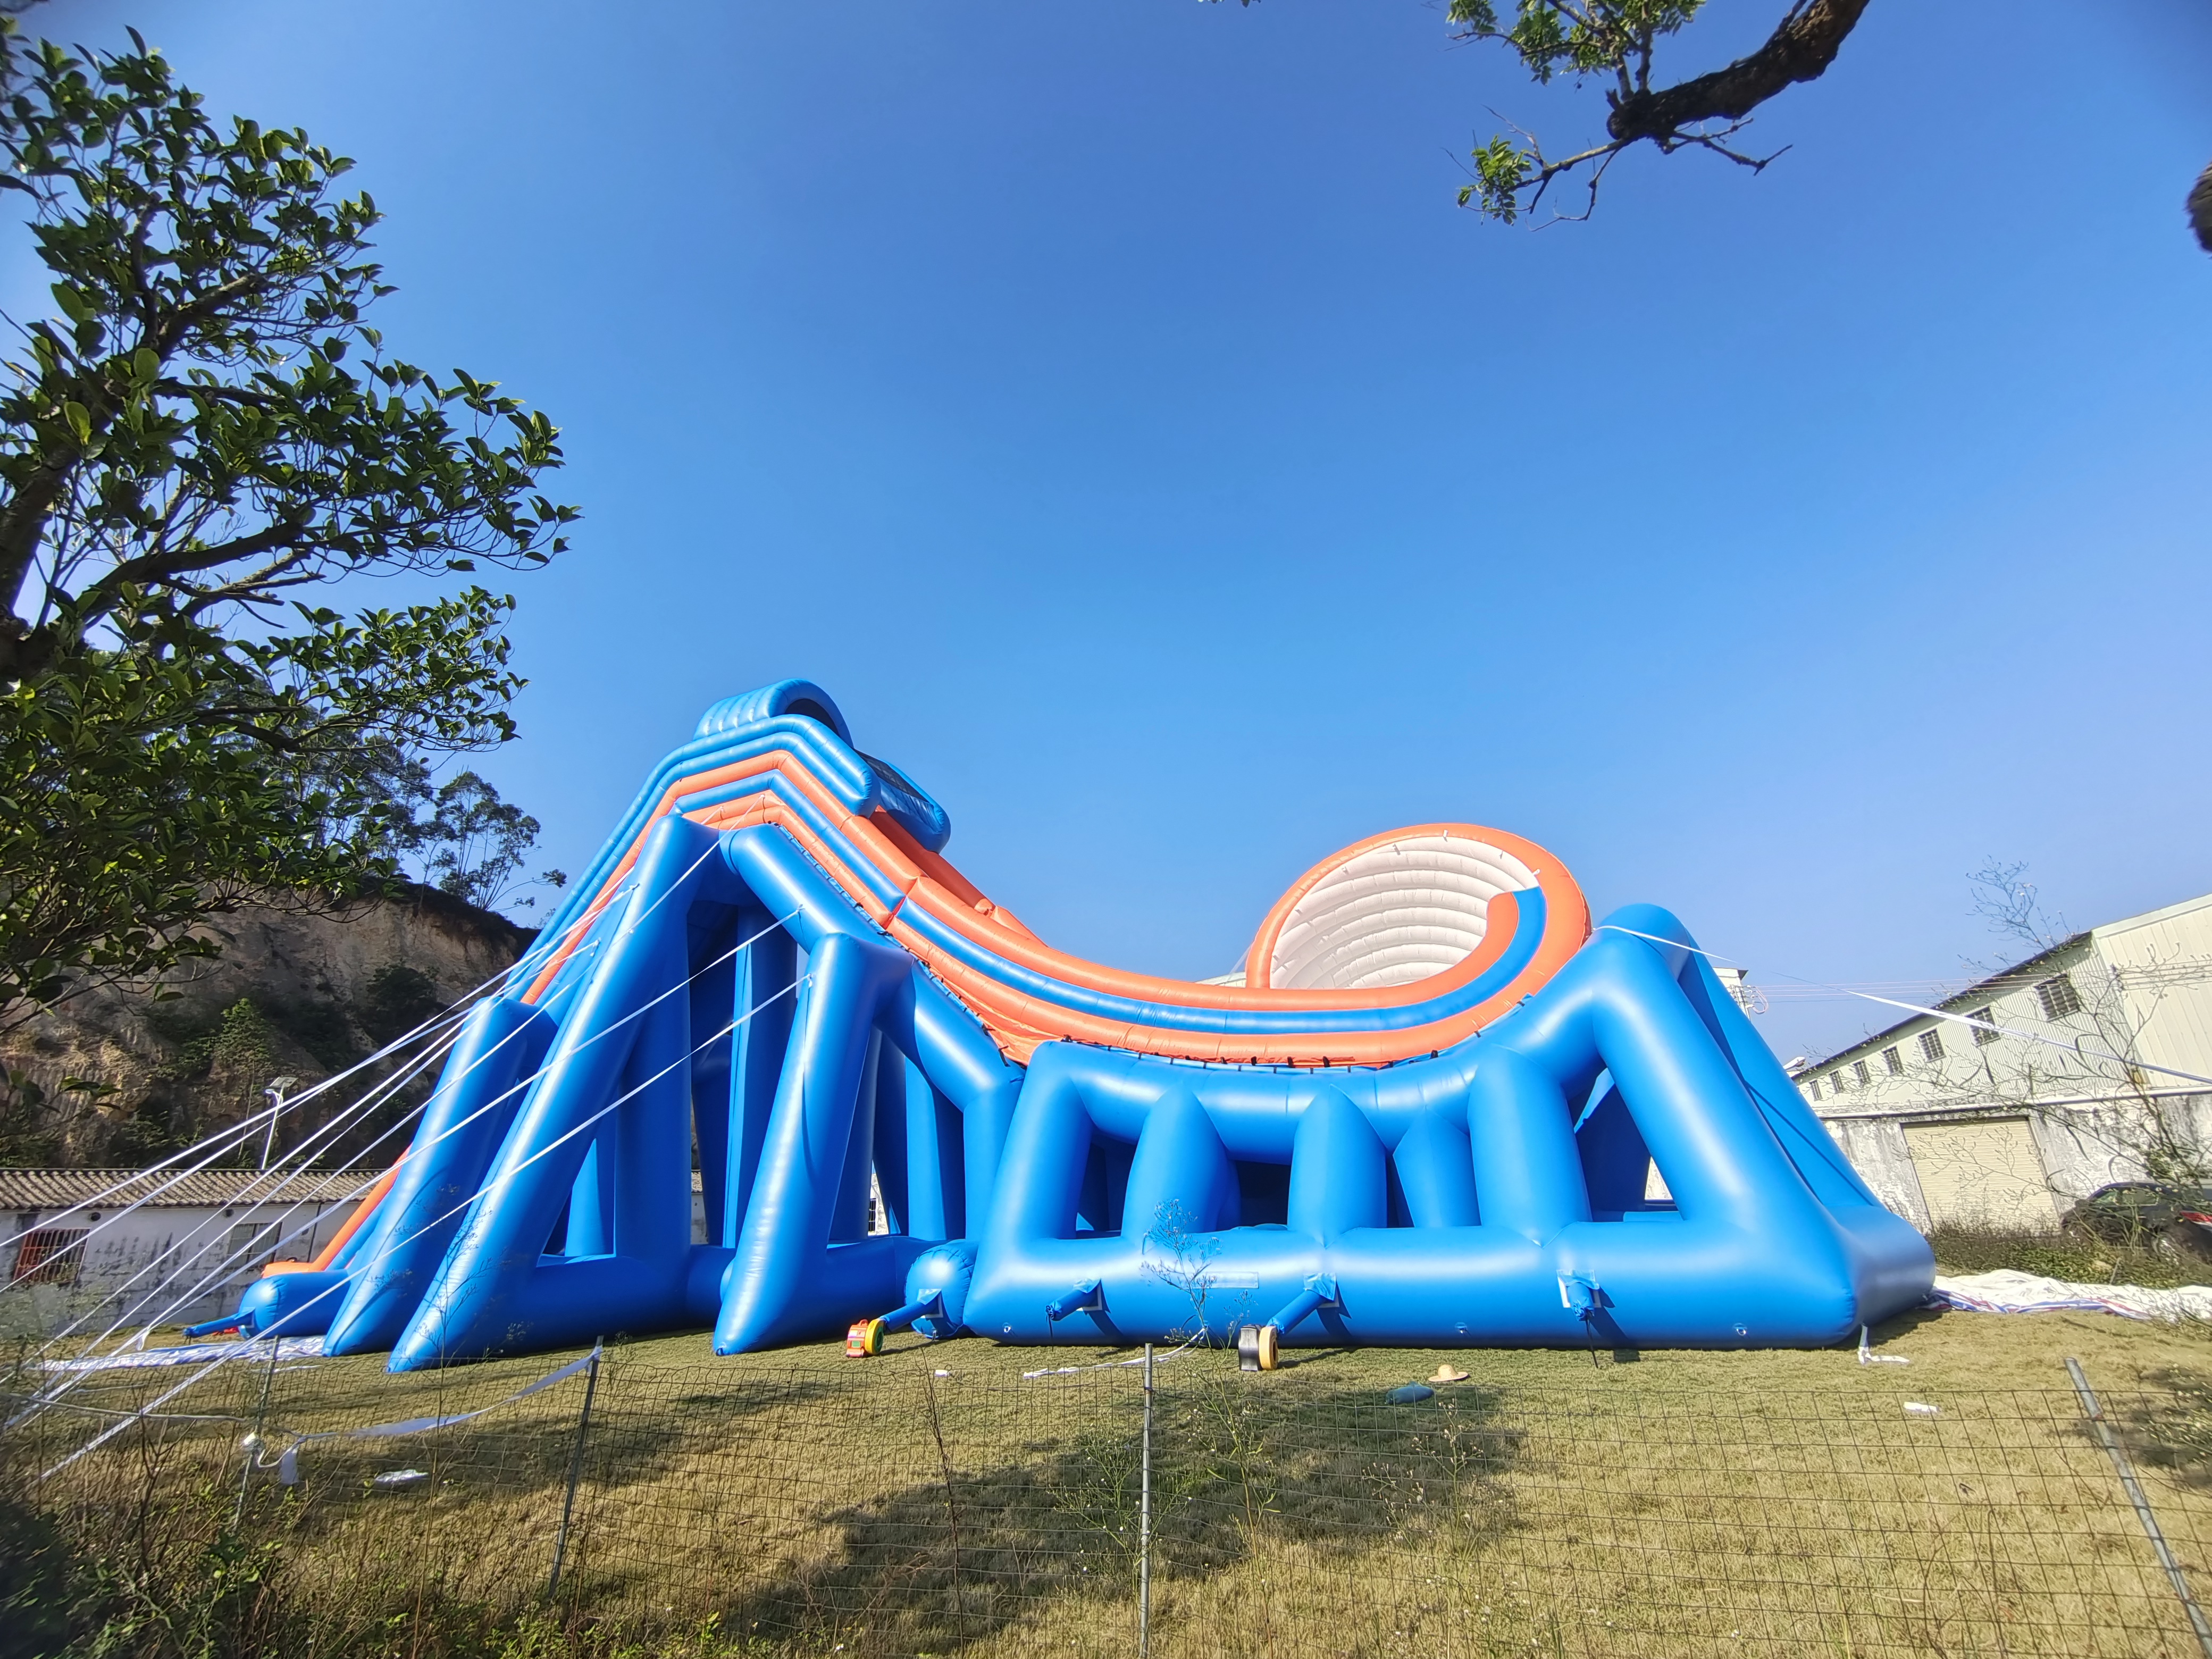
(2019, 976)
(59, 1189)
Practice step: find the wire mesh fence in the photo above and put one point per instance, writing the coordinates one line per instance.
(905, 1506)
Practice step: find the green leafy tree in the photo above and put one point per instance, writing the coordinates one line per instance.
(474, 844)
(204, 437)
(1615, 42)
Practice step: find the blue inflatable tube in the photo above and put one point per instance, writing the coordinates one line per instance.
(502, 1041)
(1748, 1253)
(896, 1104)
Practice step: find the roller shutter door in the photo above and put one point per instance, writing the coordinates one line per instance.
(1982, 1174)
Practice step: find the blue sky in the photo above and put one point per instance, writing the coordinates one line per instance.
(1111, 408)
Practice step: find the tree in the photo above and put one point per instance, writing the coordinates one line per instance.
(1615, 41)
(473, 843)
(206, 434)
(459, 836)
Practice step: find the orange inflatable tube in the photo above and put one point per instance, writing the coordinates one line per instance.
(339, 1240)
(1020, 1021)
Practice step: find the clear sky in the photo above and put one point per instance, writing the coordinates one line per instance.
(1110, 407)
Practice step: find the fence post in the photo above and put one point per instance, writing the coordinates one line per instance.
(951, 1506)
(253, 1440)
(1145, 1522)
(2135, 1496)
(576, 1470)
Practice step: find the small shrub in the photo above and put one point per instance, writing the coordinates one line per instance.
(2055, 1256)
(236, 1042)
(399, 998)
(320, 1026)
(36, 1572)
(242, 1049)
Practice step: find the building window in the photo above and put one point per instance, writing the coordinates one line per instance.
(252, 1244)
(1836, 1083)
(1813, 1084)
(1985, 1026)
(1893, 1060)
(1931, 1043)
(2057, 995)
(1859, 1071)
(47, 1256)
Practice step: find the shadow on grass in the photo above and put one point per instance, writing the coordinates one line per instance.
(2169, 1430)
(1037, 1502)
(636, 1437)
(1905, 1323)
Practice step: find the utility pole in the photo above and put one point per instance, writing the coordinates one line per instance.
(274, 1094)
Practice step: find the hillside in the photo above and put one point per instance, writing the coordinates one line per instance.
(292, 994)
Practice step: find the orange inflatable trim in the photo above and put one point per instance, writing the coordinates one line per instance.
(1019, 1021)
(361, 1211)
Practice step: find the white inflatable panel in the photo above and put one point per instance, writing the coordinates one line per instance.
(1394, 914)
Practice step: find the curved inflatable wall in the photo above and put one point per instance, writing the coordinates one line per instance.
(1436, 1108)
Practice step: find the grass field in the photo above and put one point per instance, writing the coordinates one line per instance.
(935, 1500)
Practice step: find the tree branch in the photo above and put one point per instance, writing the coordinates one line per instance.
(1800, 48)
(167, 567)
(170, 334)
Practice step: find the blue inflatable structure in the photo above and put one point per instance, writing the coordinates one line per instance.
(1438, 1108)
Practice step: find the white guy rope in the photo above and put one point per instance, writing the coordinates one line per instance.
(228, 1266)
(213, 1365)
(108, 1434)
(374, 1431)
(306, 1154)
(1187, 1343)
(223, 1139)
(207, 1279)
(2073, 1047)
(458, 1013)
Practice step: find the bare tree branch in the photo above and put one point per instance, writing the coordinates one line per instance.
(1799, 49)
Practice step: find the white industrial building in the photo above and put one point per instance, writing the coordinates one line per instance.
(181, 1246)
(2043, 1086)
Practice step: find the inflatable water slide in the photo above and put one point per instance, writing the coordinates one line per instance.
(1436, 1108)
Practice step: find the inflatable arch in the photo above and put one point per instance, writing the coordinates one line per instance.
(1436, 1108)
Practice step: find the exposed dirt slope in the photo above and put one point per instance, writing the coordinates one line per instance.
(292, 994)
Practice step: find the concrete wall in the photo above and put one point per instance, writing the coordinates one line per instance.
(2081, 1147)
(170, 1263)
(1876, 1149)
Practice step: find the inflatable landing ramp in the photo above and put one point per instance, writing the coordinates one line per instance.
(1438, 1108)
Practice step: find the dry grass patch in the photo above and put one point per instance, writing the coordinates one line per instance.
(1654, 1503)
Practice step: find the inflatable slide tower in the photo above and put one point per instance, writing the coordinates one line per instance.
(1438, 1108)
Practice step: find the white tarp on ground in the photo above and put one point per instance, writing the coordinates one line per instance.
(193, 1353)
(2009, 1291)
